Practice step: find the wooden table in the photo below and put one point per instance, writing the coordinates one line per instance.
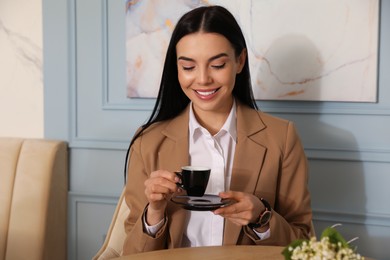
(211, 252)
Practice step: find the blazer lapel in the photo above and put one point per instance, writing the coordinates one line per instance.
(174, 154)
(248, 161)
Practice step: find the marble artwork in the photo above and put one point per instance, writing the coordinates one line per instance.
(323, 50)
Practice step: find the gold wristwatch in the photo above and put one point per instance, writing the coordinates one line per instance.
(264, 217)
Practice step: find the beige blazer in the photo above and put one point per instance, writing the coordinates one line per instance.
(269, 162)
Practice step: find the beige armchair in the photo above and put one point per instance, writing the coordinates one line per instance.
(113, 244)
(33, 199)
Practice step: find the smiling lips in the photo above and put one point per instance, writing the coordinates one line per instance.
(206, 94)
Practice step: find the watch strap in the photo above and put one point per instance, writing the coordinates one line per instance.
(264, 217)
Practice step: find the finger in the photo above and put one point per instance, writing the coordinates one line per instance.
(154, 197)
(239, 206)
(160, 189)
(234, 208)
(226, 194)
(235, 195)
(237, 218)
(241, 219)
(242, 209)
(244, 216)
(166, 175)
(159, 184)
(156, 189)
(234, 213)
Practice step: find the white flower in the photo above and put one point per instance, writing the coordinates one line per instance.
(322, 250)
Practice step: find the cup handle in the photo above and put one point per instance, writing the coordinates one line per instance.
(178, 184)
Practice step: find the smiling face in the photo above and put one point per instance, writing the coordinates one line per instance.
(207, 68)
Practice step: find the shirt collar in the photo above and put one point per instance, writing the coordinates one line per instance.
(230, 125)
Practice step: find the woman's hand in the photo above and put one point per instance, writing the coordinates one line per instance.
(247, 209)
(158, 188)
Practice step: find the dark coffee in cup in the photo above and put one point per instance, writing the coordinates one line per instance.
(194, 179)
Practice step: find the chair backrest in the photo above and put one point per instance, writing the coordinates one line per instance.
(113, 244)
(312, 230)
(33, 199)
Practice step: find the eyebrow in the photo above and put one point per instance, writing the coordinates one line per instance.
(210, 59)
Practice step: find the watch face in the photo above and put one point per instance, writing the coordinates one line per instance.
(265, 218)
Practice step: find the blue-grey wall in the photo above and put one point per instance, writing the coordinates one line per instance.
(348, 144)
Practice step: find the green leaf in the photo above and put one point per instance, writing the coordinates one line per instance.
(334, 236)
(287, 253)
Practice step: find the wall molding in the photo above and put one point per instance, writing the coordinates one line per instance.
(363, 155)
(369, 219)
(74, 199)
(284, 107)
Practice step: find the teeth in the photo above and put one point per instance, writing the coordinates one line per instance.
(206, 93)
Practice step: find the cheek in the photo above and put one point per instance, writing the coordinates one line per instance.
(227, 79)
(185, 80)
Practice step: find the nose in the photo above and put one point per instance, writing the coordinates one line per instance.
(204, 76)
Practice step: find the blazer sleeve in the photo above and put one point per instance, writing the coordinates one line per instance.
(137, 240)
(292, 213)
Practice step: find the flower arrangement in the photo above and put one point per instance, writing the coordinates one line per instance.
(331, 246)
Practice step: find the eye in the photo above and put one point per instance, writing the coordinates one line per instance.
(219, 66)
(188, 67)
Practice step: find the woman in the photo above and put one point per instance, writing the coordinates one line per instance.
(205, 114)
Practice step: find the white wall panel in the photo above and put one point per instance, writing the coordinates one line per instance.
(350, 186)
(90, 217)
(96, 171)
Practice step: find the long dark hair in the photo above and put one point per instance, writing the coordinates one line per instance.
(171, 100)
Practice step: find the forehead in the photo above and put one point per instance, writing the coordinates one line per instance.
(203, 44)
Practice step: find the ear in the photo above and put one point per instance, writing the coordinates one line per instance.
(241, 61)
